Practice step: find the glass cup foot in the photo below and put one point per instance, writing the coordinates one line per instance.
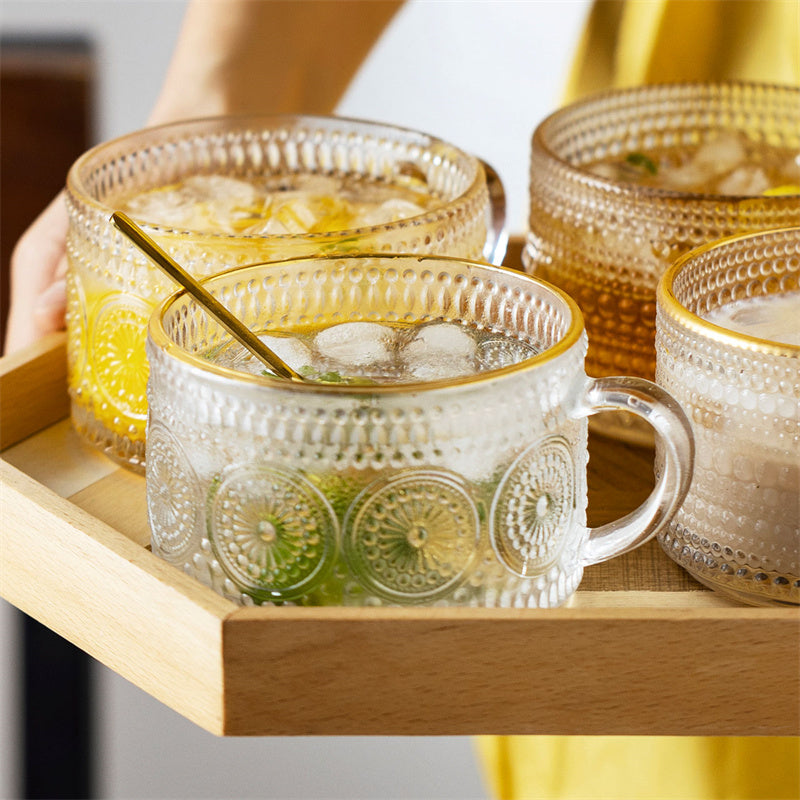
(742, 584)
(124, 450)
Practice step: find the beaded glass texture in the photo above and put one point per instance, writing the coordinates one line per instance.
(467, 490)
(739, 529)
(607, 242)
(112, 288)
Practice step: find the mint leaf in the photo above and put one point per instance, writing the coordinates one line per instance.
(641, 160)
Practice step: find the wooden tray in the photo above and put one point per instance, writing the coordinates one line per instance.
(642, 649)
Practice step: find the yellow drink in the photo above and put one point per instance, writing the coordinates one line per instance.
(218, 194)
(727, 164)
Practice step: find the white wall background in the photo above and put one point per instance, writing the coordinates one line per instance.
(479, 73)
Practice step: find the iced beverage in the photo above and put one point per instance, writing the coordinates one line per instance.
(728, 345)
(283, 205)
(623, 183)
(412, 537)
(727, 164)
(435, 452)
(221, 193)
(373, 353)
(775, 318)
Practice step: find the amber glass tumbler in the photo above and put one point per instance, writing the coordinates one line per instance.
(607, 242)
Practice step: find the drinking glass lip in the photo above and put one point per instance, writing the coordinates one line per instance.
(159, 339)
(669, 304)
(539, 141)
(76, 186)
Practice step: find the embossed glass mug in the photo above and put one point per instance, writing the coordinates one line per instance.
(605, 230)
(467, 490)
(728, 348)
(285, 186)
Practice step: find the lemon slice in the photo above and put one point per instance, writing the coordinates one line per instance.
(333, 214)
(787, 188)
(118, 357)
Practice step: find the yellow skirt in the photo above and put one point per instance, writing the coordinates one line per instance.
(633, 42)
(640, 767)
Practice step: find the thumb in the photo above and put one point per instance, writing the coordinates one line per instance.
(50, 308)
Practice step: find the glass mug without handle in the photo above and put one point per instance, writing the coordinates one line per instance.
(462, 490)
(223, 192)
(606, 239)
(728, 348)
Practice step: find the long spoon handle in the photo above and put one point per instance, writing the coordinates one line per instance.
(232, 324)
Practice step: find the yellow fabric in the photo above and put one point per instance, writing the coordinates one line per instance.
(641, 767)
(628, 43)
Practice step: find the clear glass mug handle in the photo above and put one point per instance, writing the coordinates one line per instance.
(494, 251)
(675, 457)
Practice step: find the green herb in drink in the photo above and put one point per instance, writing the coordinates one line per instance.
(331, 376)
(642, 161)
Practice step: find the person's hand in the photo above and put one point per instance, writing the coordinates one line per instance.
(38, 286)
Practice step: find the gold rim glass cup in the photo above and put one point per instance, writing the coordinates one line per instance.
(606, 242)
(461, 491)
(739, 529)
(112, 288)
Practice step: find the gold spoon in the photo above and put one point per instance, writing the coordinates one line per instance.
(232, 324)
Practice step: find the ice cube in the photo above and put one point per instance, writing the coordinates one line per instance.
(712, 160)
(745, 180)
(353, 345)
(608, 171)
(292, 351)
(721, 154)
(689, 177)
(168, 206)
(200, 202)
(296, 215)
(389, 211)
(437, 351)
(442, 337)
(436, 367)
(790, 169)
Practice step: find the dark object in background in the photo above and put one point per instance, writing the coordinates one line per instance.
(57, 737)
(46, 88)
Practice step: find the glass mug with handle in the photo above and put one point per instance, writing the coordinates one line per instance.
(436, 454)
(223, 192)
